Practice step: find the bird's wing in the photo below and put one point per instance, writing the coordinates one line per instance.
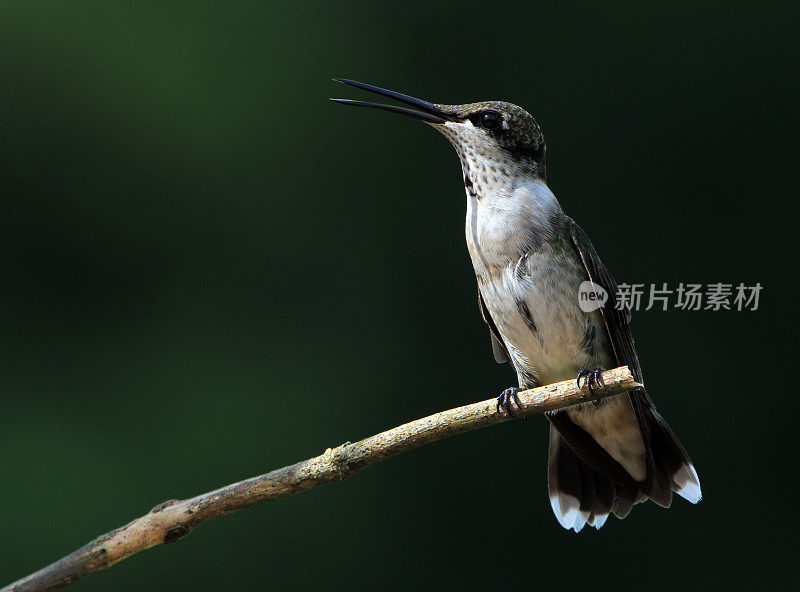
(498, 347)
(617, 324)
(666, 460)
(616, 320)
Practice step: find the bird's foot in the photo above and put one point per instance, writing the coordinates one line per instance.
(592, 378)
(507, 399)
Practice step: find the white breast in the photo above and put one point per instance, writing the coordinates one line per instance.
(501, 217)
(542, 283)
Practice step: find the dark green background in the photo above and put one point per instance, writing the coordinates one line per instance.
(209, 271)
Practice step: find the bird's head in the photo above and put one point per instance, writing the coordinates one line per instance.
(492, 138)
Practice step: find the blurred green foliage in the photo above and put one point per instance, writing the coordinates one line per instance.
(207, 268)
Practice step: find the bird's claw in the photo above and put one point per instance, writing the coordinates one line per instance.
(592, 378)
(507, 399)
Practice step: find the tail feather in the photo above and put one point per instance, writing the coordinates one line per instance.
(671, 461)
(602, 494)
(580, 494)
(687, 484)
(627, 497)
(566, 488)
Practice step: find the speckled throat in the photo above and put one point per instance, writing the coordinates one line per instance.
(487, 167)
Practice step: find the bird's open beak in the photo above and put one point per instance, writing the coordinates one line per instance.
(428, 112)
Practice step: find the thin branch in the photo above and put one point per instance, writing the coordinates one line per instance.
(174, 519)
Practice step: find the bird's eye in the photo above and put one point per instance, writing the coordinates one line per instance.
(490, 120)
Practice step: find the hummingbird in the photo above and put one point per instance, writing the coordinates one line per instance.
(530, 260)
